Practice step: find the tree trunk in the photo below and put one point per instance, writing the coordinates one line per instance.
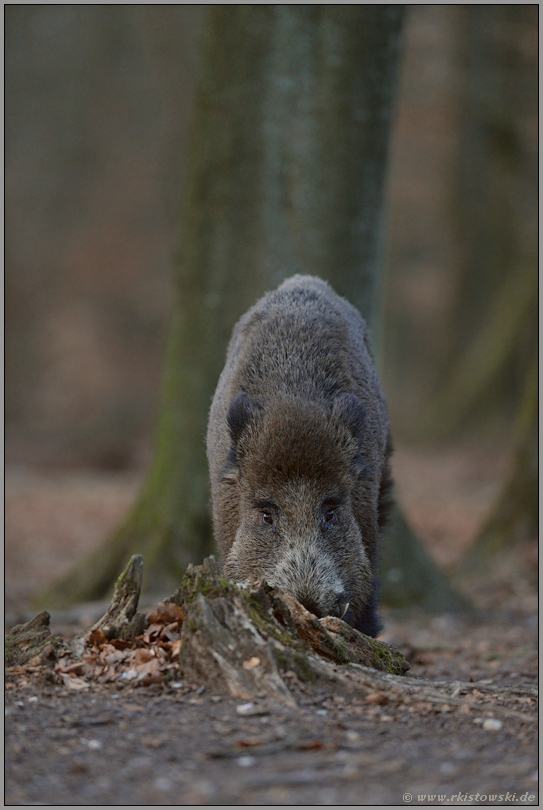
(286, 174)
(494, 209)
(506, 340)
(515, 515)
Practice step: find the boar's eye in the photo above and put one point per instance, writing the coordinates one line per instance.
(267, 518)
(329, 510)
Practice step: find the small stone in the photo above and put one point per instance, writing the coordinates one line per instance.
(94, 745)
(245, 708)
(246, 762)
(491, 724)
(250, 710)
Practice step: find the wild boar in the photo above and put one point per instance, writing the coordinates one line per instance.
(298, 446)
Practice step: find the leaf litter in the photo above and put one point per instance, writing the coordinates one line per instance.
(153, 656)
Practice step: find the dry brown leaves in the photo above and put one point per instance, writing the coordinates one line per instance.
(151, 658)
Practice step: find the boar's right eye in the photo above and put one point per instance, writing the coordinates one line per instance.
(267, 518)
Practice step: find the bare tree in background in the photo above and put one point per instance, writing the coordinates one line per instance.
(286, 174)
(492, 334)
(98, 99)
(493, 352)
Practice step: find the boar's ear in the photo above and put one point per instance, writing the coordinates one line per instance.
(242, 410)
(351, 411)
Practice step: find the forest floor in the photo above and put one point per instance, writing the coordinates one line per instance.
(179, 744)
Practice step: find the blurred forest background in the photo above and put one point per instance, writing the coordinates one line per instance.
(98, 109)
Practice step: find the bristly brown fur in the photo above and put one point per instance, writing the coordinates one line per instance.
(298, 448)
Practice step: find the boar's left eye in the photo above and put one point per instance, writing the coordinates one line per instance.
(329, 515)
(267, 518)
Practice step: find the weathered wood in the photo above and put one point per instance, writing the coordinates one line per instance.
(121, 620)
(242, 639)
(253, 642)
(26, 641)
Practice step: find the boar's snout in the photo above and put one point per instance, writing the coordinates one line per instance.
(338, 608)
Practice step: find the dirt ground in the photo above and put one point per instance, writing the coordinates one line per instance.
(179, 744)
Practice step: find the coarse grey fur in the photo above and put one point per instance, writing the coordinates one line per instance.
(298, 447)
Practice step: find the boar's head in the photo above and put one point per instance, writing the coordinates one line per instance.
(299, 475)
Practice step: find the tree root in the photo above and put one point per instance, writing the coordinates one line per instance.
(121, 620)
(25, 644)
(242, 639)
(251, 641)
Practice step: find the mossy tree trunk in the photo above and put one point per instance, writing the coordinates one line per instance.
(515, 515)
(495, 213)
(286, 174)
(492, 365)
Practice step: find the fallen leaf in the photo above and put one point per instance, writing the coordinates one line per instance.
(129, 674)
(149, 673)
(171, 631)
(73, 669)
(117, 656)
(152, 742)
(152, 633)
(176, 648)
(77, 684)
(109, 675)
(142, 655)
(97, 639)
(377, 698)
(251, 663)
(119, 644)
(313, 745)
(166, 613)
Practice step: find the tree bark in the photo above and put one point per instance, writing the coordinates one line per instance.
(506, 338)
(515, 515)
(286, 174)
(494, 208)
